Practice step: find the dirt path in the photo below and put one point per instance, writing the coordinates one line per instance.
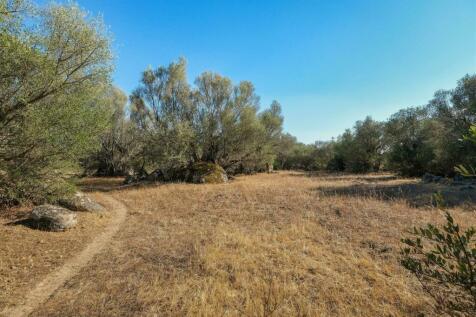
(56, 279)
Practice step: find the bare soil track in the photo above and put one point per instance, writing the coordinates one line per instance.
(56, 279)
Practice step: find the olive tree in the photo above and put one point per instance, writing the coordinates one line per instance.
(215, 121)
(56, 62)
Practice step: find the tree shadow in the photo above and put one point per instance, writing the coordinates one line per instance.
(102, 184)
(415, 194)
(345, 176)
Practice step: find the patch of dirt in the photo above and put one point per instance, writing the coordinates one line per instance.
(29, 256)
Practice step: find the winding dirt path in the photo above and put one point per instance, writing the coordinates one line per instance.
(58, 278)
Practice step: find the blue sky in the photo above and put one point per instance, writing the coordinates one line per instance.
(329, 63)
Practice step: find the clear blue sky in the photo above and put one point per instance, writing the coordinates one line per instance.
(329, 63)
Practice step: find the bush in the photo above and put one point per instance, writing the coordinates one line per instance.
(444, 261)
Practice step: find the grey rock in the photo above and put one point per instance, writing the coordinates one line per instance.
(81, 202)
(53, 218)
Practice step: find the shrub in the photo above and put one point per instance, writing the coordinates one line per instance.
(444, 261)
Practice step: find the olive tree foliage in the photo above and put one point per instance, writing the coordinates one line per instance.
(428, 139)
(468, 170)
(413, 141)
(358, 150)
(161, 110)
(55, 66)
(213, 121)
(407, 136)
(118, 145)
(444, 261)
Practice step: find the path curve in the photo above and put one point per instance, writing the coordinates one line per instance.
(58, 278)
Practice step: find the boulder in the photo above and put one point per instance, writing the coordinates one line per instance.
(207, 173)
(53, 218)
(81, 202)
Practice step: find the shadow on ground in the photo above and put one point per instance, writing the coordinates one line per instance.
(346, 177)
(103, 184)
(416, 194)
(29, 223)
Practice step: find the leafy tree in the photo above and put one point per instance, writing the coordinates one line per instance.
(407, 137)
(367, 146)
(411, 142)
(118, 142)
(161, 110)
(55, 64)
(215, 121)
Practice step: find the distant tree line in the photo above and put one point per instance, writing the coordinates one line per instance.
(411, 142)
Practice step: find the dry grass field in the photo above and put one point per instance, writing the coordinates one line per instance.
(27, 255)
(283, 244)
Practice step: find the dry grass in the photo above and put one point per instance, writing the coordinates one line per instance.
(27, 255)
(279, 244)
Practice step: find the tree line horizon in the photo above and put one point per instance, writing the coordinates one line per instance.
(61, 116)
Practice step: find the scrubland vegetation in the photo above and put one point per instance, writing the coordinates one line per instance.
(309, 240)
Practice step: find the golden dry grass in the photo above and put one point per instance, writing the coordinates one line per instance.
(28, 255)
(280, 244)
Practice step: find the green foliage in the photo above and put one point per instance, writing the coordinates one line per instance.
(358, 150)
(463, 170)
(406, 136)
(411, 142)
(118, 144)
(54, 71)
(444, 260)
(214, 121)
